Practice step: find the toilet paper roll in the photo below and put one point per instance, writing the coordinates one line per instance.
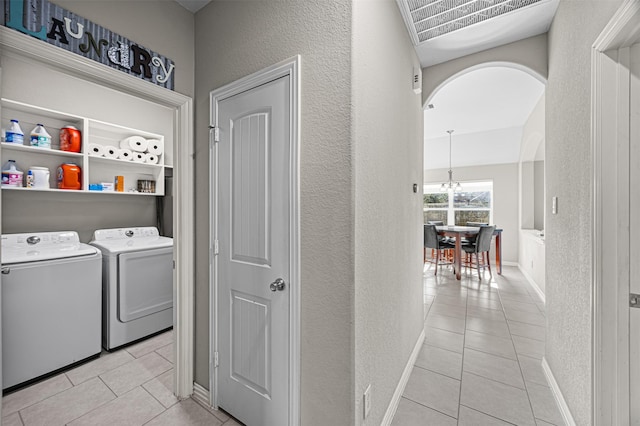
(155, 147)
(150, 158)
(125, 154)
(138, 157)
(96, 150)
(134, 143)
(111, 151)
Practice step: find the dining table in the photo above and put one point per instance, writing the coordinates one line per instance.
(459, 232)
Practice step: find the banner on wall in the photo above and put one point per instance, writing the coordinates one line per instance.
(59, 27)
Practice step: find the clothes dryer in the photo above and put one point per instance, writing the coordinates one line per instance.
(137, 283)
(51, 300)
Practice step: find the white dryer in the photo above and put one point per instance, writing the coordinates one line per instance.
(137, 283)
(51, 299)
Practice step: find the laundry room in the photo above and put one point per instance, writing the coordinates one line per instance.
(87, 196)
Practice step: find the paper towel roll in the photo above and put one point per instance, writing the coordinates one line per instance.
(96, 150)
(111, 151)
(134, 143)
(155, 147)
(150, 158)
(125, 154)
(138, 157)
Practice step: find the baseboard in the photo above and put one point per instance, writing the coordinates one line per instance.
(532, 283)
(507, 263)
(557, 394)
(395, 400)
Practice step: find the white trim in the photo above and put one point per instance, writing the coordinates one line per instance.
(532, 283)
(20, 45)
(609, 136)
(201, 396)
(509, 263)
(402, 384)
(291, 68)
(557, 394)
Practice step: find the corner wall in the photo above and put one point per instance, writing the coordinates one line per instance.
(387, 138)
(568, 176)
(235, 39)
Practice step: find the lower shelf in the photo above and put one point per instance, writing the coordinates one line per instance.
(76, 191)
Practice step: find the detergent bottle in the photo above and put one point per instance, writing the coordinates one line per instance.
(40, 138)
(11, 174)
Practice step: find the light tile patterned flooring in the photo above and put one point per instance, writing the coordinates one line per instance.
(481, 360)
(132, 386)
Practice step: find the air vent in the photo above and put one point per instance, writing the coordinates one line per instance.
(432, 18)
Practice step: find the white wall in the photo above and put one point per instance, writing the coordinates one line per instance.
(532, 258)
(505, 199)
(568, 176)
(387, 138)
(237, 38)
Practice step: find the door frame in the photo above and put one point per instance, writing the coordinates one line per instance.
(610, 120)
(24, 46)
(291, 68)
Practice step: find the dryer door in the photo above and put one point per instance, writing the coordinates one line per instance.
(145, 283)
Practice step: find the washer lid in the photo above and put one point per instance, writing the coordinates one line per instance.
(33, 247)
(120, 240)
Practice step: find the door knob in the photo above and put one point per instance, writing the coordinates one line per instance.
(277, 285)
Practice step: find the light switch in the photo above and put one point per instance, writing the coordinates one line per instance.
(554, 205)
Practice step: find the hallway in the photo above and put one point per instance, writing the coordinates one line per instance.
(481, 359)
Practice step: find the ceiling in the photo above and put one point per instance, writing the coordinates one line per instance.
(487, 109)
(442, 30)
(193, 5)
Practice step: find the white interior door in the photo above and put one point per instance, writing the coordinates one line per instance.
(252, 194)
(634, 231)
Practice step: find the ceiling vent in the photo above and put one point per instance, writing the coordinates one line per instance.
(429, 19)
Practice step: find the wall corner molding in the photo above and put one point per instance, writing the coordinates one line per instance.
(404, 379)
(557, 394)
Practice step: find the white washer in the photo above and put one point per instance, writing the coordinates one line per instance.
(137, 283)
(51, 303)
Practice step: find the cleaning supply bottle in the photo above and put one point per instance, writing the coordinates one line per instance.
(14, 133)
(40, 138)
(30, 179)
(11, 174)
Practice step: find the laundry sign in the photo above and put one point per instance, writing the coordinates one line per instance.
(59, 27)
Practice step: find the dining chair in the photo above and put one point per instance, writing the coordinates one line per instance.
(431, 241)
(481, 249)
(471, 239)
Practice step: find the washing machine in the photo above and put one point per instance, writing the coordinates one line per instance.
(137, 283)
(51, 303)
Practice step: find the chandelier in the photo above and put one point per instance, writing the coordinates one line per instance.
(451, 185)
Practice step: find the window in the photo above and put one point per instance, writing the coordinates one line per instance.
(473, 204)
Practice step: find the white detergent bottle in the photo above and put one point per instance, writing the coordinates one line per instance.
(11, 174)
(14, 133)
(40, 138)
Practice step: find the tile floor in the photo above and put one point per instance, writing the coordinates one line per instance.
(132, 386)
(481, 359)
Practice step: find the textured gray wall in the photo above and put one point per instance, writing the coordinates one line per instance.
(388, 157)
(568, 176)
(160, 25)
(237, 38)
